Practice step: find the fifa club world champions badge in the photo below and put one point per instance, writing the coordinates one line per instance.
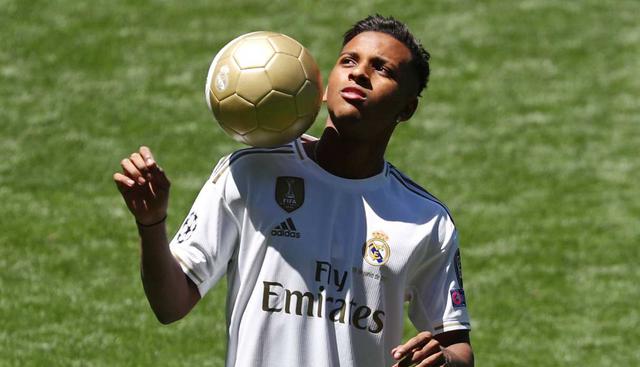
(376, 250)
(289, 192)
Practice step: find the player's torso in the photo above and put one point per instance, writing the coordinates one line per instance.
(321, 259)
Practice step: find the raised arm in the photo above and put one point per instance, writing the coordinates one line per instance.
(145, 189)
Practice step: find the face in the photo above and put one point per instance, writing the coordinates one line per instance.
(372, 86)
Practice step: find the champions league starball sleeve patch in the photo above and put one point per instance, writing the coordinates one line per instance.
(188, 227)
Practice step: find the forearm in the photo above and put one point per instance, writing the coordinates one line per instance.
(459, 355)
(168, 290)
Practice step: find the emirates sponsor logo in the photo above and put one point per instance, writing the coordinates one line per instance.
(328, 302)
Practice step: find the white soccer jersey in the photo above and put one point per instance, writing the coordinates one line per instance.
(319, 266)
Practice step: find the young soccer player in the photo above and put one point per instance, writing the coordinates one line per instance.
(322, 241)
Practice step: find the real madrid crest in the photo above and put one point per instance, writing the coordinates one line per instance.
(289, 192)
(376, 250)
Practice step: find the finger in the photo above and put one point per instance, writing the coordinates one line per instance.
(123, 182)
(434, 360)
(146, 154)
(406, 361)
(158, 177)
(137, 161)
(131, 171)
(415, 342)
(157, 174)
(127, 188)
(432, 347)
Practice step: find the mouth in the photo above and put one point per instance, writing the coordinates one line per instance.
(353, 94)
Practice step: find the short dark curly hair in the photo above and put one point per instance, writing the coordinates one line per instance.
(400, 31)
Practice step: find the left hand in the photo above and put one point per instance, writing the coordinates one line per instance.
(422, 350)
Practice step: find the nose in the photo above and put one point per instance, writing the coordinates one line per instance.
(359, 75)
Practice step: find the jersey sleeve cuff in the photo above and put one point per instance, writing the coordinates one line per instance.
(451, 326)
(202, 284)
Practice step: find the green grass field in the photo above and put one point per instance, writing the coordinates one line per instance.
(526, 131)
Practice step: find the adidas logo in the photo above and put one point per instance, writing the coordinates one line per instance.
(286, 229)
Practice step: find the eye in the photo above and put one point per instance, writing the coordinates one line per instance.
(383, 70)
(347, 60)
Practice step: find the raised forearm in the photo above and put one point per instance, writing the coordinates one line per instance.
(170, 294)
(145, 189)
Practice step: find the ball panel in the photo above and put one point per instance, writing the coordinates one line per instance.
(276, 111)
(266, 138)
(237, 114)
(224, 78)
(253, 85)
(237, 137)
(260, 35)
(301, 125)
(253, 53)
(286, 45)
(308, 99)
(311, 70)
(214, 103)
(286, 74)
(225, 52)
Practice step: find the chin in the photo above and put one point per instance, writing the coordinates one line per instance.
(348, 127)
(347, 113)
(345, 119)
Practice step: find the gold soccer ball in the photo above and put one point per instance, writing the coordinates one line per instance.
(264, 89)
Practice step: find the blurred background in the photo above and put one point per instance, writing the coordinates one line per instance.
(526, 131)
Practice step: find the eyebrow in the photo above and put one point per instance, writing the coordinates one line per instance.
(375, 58)
(348, 54)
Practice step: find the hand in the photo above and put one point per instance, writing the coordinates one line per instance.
(144, 187)
(422, 350)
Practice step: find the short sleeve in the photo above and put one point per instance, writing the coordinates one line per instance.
(206, 241)
(435, 290)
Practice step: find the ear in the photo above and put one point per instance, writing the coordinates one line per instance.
(324, 95)
(408, 110)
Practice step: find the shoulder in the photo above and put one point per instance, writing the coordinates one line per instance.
(249, 155)
(251, 172)
(417, 194)
(250, 159)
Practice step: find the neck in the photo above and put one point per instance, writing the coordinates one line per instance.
(345, 157)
